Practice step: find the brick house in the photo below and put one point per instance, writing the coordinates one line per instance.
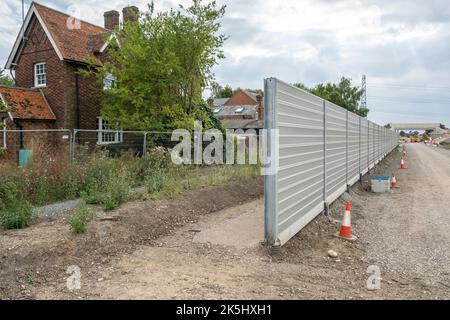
(244, 110)
(49, 93)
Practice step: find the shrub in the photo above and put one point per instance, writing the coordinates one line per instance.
(15, 211)
(80, 218)
(155, 181)
(110, 189)
(68, 186)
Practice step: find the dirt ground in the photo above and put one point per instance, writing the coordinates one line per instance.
(206, 245)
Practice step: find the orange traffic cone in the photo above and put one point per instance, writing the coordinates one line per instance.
(346, 225)
(394, 181)
(402, 164)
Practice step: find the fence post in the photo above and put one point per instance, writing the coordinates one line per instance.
(368, 146)
(359, 149)
(70, 146)
(144, 146)
(346, 149)
(325, 156)
(75, 131)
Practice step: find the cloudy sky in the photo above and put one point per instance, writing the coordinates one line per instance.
(403, 46)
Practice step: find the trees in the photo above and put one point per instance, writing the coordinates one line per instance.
(161, 66)
(5, 79)
(227, 92)
(342, 94)
(220, 92)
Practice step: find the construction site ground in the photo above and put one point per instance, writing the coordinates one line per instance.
(207, 245)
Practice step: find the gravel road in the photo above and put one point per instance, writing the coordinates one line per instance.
(408, 233)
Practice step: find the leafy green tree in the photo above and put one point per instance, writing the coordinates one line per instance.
(220, 92)
(5, 79)
(403, 134)
(343, 94)
(161, 66)
(442, 126)
(388, 126)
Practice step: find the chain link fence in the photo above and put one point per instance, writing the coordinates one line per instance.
(65, 146)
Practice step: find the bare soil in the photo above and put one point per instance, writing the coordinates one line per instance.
(184, 248)
(34, 261)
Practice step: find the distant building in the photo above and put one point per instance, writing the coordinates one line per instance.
(437, 133)
(244, 110)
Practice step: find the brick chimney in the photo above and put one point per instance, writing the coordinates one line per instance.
(259, 98)
(111, 19)
(130, 14)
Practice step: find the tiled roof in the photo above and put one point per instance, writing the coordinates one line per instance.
(220, 102)
(243, 124)
(26, 104)
(232, 111)
(251, 95)
(76, 44)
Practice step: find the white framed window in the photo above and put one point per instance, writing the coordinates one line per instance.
(105, 135)
(109, 82)
(40, 74)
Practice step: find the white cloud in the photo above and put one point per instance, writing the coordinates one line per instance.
(394, 42)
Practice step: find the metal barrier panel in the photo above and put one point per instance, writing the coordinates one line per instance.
(377, 143)
(299, 181)
(353, 149)
(319, 149)
(364, 161)
(371, 145)
(336, 151)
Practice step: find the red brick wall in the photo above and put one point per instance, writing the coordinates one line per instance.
(43, 144)
(39, 49)
(60, 91)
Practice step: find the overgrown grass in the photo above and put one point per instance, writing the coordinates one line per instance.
(104, 180)
(79, 220)
(185, 178)
(15, 211)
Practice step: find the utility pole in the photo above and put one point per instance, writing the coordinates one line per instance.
(364, 93)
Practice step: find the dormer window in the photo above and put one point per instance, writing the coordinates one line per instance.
(109, 82)
(40, 74)
(239, 110)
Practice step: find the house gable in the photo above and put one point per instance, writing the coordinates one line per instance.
(32, 17)
(241, 98)
(37, 40)
(78, 43)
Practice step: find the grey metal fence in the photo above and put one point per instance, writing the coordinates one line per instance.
(321, 148)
